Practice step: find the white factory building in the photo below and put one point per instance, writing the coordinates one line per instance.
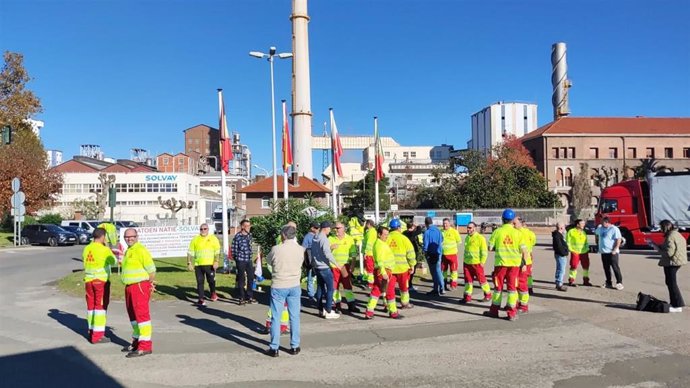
(491, 124)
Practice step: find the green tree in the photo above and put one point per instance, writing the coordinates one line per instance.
(364, 196)
(581, 193)
(17, 103)
(647, 167)
(50, 218)
(87, 207)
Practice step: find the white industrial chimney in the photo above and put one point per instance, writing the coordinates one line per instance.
(301, 98)
(559, 81)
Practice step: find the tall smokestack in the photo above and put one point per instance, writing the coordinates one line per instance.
(559, 81)
(301, 98)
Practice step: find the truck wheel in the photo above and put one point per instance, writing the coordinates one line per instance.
(52, 241)
(629, 242)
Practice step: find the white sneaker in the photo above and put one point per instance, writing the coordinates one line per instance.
(619, 286)
(331, 315)
(675, 309)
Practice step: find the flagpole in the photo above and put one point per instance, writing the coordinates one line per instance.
(334, 189)
(376, 172)
(285, 167)
(223, 186)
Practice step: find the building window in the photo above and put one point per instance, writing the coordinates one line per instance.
(413, 154)
(387, 154)
(559, 177)
(264, 203)
(165, 161)
(594, 153)
(180, 161)
(668, 153)
(632, 153)
(568, 178)
(405, 154)
(571, 153)
(686, 153)
(564, 152)
(613, 153)
(554, 153)
(190, 141)
(650, 152)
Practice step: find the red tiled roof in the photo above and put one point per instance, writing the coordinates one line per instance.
(306, 185)
(613, 126)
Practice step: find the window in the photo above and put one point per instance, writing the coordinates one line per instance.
(613, 153)
(686, 153)
(180, 161)
(632, 153)
(650, 152)
(554, 153)
(564, 152)
(190, 141)
(594, 153)
(405, 154)
(559, 177)
(264, 203)
(668, 153)
(387, 154)
(165, 161)
(568, 178)
(571, 153)
(413, 154)
(196, 141)
(608, 205)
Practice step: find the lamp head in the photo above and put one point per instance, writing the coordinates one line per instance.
(257, 54)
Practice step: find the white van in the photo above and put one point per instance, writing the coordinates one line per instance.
(88, 225)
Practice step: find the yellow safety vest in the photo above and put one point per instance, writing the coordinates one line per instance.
(346, 249)
(577, 241)
(97, 260)
(356, 230)
(507, 241)
(530, 240)
(370, 238)
(383, 256)
(111, 237)
(204, 250)
(403, 250)
(476, 250)
(451, 239)
(137, 264)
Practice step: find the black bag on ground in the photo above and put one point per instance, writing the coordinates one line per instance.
(646, 302)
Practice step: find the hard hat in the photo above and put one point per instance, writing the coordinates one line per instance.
(508, 214)
(395, 223)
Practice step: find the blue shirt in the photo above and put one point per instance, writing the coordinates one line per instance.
(241, 248)
(306, 244)
(607, 237)
(433, 241)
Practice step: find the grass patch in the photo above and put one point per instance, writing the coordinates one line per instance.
(6, 239)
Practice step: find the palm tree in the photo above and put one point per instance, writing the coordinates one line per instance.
(647, 167)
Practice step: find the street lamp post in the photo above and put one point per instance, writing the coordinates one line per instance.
(269, 56)
(256, 166)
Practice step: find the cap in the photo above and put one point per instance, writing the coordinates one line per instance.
(325, 224)
(314, 225)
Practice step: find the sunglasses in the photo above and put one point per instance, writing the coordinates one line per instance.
(203, 228)
(130, 236)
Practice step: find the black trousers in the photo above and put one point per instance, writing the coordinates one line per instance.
(205, 270)
(672, 284)
(245, 278)
(610, 261)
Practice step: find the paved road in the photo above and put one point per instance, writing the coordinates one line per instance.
(587, 337)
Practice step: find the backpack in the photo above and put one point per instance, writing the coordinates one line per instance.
(646, 302)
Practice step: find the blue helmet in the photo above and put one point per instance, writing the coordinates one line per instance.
(508, 215)
(395, 223)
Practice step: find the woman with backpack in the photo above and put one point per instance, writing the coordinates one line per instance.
(674, 254)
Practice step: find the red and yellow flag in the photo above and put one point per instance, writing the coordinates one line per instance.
(225, 142)
(287, 144)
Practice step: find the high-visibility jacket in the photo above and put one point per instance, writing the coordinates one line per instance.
(403, 250)
(577, 241)
(204, 249)
(97, 260)
(356, 230)
(530, 240)
(507, 241)
(370, 238)
(345, 250)
(137, 264)
(383, 256)
(451, 239)
(111, 237)
(476, 250)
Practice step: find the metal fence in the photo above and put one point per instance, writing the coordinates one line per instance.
(536, 217)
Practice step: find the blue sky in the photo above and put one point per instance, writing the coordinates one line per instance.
(126, 74)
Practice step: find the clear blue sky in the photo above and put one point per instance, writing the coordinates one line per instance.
(126, 74)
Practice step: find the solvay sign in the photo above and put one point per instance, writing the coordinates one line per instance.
(160, 178)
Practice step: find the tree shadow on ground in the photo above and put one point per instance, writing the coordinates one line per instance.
(230, 334)
(186, 294)
(79, 326)
(244, 321)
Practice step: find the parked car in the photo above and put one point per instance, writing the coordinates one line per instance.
(47, 234)
(83, 236)
(88, 225)
(126, 224)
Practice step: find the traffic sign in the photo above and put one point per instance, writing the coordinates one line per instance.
(16, 185)
(18, 199)
(19, 210)
(18, 218)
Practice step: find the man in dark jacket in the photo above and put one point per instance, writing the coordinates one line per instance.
(414, 234)
(560, 251)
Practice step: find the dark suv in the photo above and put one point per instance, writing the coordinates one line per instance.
(47, 234)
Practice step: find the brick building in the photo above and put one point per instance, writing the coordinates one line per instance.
(180, 162)
(620, 144)
(202, 140)
(260, 193)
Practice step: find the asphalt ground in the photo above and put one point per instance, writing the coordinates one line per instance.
(586, 337)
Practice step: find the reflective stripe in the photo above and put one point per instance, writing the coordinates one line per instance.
(577, 241)
(451, 239)
(204, 250)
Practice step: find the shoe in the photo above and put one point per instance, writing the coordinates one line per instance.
(586, 283)
(412, 289)
(490, 314)
(128, 349)
(675, 309)
(523, 310)
(294, 351)
(396, 316)
(512, 319)
(619, 286)
(242, 302)
(369, 316)
(322, 313)
(562, 288)
(252, 301)
(433, 293)
(446, 287)
(530, 291)
(352, 308)
(463, 301)
(487, 298)
(331, 315)
(407, 306)
(442, 292)
(214, 297)
(273, 352)
(138, 353)
(336, 308)
(572, 284)
(265, 330)
(102, 340)
(201, 303)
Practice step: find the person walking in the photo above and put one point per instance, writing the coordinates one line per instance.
(674, 254)
(384, 260)
(306, 244)
(322, 260)
(510, 258)
(97, 258)
(524, 287)
(204, 250)
(609, 240)
(476, 252)
(560, 252)
(370, 237)
(449, 258)
(415, 235)
(579, 253)
(241, 251)
(405, 261)
(138, 275)
(433, 246)
(286, 261)
(345, 252)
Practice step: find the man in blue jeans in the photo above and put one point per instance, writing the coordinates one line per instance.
(322, 260)
(433, 242)
(306, 244)
(560, 252)
(286, 260)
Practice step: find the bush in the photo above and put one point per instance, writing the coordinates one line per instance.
(7, 222)
(51, 218)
